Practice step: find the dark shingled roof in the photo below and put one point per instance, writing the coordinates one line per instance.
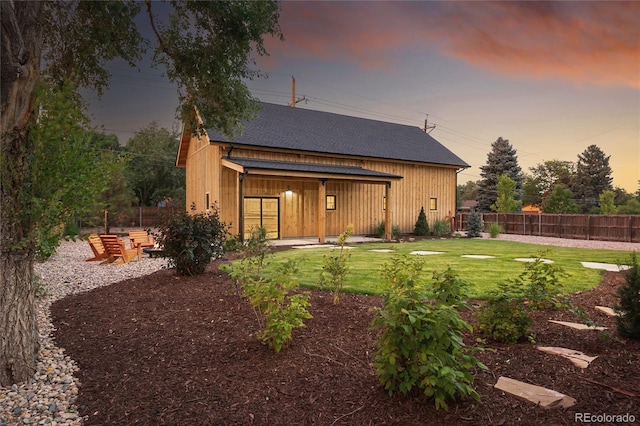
(252, 163)
(282, 127)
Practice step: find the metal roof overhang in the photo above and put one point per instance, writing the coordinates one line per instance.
(251, 166)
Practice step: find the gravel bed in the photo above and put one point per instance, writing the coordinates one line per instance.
(48, 398)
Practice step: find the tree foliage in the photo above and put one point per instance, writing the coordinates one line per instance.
(151, 169)
(544, 176)
(506, 201)
(467, 191)
(607, 204)
(560, 201)
(592, 178)
(501, 160)
(205, 47)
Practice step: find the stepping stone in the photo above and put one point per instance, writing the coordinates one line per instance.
(538, 395)
(477, 256)
(425, 253)
(576, 357)
(606, 266)
(313, 246)
(532, 259)
(338, 248)
(382, 250)
(606, 310)
(577, 326)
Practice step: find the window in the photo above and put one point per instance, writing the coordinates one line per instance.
(433, 204)
(384, 203)
(331, 202)
(207, 201)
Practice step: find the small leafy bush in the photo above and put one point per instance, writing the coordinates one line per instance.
(253, 254)
(628, 319)
(422, 226)
(494, 230)
(504, 319)
(441, 227)
(232, 243)
(278, 308)
(190, 242)
(420, 343)
(336, 267)
(474, 225)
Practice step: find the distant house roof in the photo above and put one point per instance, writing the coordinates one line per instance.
(250, 164)
(468, 205)
(282, 127)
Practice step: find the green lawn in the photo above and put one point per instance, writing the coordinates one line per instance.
(482, 274)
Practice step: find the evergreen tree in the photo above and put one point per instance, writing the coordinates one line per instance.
(628, 319)
(560, 201)
(422, 226)
(474, 225)
(501, 160)
(592, 178)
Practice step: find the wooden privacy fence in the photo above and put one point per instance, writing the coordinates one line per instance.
(625, 228)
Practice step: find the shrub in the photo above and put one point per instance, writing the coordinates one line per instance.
(191, 241)
(253, 254)
(420, 343)
(494, 230)
(441, 227)
(422, 226)
(474, 225)
(277, 307)
(335, 266)
(504, 318)
(395, 230)
(232, 243)
(628, 319)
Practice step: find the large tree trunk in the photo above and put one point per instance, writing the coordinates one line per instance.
(20, 61)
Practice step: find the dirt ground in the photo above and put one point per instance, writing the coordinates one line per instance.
(168, 350)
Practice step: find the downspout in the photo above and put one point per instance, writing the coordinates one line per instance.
(241, 208)
(456, 198)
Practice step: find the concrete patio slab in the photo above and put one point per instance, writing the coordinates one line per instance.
(382, 250)
(478, 256)
(606, 266)
(425, 253)
(532, 259)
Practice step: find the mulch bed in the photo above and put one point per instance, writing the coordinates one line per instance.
(168, 350)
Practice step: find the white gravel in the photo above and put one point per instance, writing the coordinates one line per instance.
(49, 397)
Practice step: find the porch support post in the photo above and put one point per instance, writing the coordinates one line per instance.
(322, 209)
(240, 207)
(387, 212)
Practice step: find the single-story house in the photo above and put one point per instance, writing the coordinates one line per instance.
(305, 173)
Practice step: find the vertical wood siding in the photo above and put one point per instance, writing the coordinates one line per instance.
(360, 204)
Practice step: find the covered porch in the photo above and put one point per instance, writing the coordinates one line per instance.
(303, 200)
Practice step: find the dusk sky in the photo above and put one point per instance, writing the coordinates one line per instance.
(552, 78)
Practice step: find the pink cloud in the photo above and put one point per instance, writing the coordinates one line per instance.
(586, 43)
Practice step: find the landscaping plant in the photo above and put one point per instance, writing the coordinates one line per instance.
(506, 319)
(441, 227)
(494, 230)
(278, 307)
(253, 253)
(380, 229)
(190, 242)
(420, 343)
(474, 225)
(335, 267)
(628, 319)
(422, 226)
